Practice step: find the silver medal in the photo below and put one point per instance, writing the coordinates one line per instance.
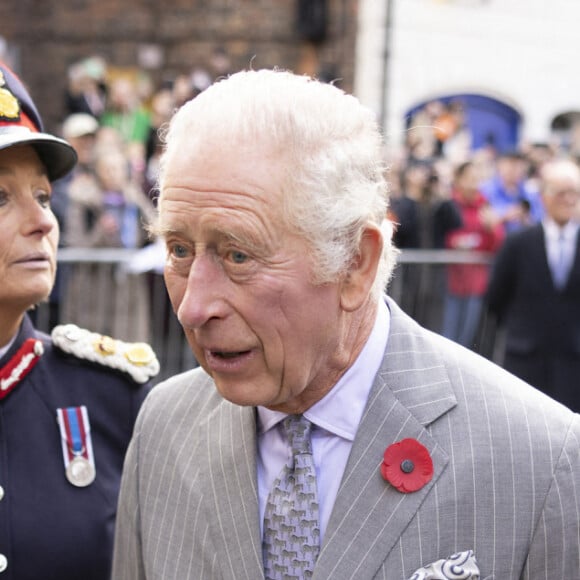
(80, 472)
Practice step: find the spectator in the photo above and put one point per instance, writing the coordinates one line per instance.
(220, 63)
(454, 134)
(79, 129)
(87, 88)
(162, 108)
(537, 155)
(535, 291)
(508, 196)
(125, 113)
(421, 138)
(326, 434)
(109, 211)
(481, 231)
(424, 215)
(404, 207)
(423, 211)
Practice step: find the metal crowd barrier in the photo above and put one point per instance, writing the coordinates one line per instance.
(418, 285)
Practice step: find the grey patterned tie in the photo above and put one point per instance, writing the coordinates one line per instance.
(291, 525)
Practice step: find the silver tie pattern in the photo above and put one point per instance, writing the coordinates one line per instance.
(291, 523)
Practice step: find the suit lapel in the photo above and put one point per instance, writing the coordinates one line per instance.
(410, 391)
(574, 277)
(538, 247)
(231, 489)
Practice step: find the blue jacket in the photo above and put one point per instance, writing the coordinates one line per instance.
(500, 200)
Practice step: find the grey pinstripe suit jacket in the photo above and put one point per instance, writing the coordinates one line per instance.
(506, 482)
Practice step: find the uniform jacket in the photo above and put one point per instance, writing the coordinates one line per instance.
(505, 484)
(50, 529)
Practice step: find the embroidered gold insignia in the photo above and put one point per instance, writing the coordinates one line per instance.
(139, 354)
(9, 106)
(105, 345)
(137, 359)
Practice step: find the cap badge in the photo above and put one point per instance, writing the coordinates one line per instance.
(9, 106)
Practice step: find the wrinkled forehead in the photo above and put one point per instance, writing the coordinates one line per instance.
(210, 159)
(240, 180)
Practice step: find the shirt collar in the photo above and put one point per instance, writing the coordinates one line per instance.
(341, 409)
(554, 231)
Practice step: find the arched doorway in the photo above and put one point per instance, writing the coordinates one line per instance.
(490, 122)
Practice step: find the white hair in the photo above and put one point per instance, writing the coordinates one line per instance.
(557, 169)
(334, 184)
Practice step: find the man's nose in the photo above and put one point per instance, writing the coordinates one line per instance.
(203, 299)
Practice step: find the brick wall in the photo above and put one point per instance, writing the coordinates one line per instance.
(46, 37)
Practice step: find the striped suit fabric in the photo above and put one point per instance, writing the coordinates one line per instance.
(506, 478)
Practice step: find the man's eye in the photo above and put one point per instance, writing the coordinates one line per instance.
(238, 257)
(178, 251)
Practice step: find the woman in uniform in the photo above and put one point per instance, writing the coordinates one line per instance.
(67, 401)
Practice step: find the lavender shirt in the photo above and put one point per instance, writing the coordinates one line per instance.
(336, 418)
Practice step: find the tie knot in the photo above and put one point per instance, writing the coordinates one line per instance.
(298, 430)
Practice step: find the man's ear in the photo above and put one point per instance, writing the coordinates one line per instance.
(357, 284)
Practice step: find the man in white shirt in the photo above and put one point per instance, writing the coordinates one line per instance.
(534, 291)
(325, 434)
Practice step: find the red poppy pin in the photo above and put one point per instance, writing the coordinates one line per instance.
(407, 465)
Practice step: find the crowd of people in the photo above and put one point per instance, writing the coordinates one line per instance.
(113, 118)
(324, 433)
(444, 195)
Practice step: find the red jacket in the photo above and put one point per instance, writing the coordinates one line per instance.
(471, 279)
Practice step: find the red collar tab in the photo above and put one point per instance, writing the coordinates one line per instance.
(20, 365)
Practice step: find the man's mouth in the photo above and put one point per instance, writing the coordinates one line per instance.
(228, 354)
(227, 361)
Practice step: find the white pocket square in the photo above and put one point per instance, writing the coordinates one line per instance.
(460, 566)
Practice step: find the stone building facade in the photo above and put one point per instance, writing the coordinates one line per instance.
(519, 56)
(42, 39)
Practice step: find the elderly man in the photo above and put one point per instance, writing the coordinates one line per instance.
(535, 291)
(326, 434)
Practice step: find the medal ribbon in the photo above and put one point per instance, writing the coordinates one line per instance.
(75, 433)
